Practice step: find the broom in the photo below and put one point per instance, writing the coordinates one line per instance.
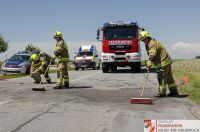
(142, 100)
(38, 87)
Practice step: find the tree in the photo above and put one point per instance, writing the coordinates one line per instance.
(3, 44)
(197, 57)
(30, 48)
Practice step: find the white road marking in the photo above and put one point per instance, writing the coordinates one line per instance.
(84, 77)
(5, 102)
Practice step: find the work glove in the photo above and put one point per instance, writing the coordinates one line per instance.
(149, 64)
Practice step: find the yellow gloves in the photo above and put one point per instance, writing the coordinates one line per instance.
(149, 64)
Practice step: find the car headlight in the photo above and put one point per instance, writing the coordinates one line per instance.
(3, 65)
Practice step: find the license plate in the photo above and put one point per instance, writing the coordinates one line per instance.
(84, 66)
(120, 56)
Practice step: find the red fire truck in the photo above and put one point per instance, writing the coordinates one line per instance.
(120, 46)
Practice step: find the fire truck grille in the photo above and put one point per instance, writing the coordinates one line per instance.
(120, 47)
(120, 58)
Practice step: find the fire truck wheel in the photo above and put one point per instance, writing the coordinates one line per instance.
(105, 68)
(114, 68)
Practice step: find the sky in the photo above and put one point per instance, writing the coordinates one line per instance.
(175, 23)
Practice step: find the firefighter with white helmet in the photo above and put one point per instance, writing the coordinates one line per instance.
(160, 59)
(61, 53)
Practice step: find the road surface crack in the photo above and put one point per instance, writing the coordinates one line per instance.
(35, 117)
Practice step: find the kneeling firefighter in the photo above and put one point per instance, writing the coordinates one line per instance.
(160, 59)
(40, 62)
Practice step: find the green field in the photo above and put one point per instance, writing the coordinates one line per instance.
(190, 68)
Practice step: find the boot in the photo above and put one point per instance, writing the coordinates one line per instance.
(36, 82)
(173, 93)
(48, 81)
(66, 86)
(57, 87)
(158, 95)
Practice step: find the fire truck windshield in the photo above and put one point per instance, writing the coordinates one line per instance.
(120, 32)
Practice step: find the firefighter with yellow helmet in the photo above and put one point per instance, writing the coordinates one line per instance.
(61, 53)
(40, 61)
(160, 59)
(35, 64)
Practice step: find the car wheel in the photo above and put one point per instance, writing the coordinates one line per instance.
(98, 67)
(76, 68)
(28, 70)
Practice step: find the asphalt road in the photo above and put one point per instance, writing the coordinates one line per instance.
(97, 102)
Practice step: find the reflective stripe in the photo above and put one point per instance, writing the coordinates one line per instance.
(152, 51)
(172, 85)
(162, 87)
(64, 59)
(169, 61)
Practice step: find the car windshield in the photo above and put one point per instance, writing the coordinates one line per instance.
(20, 58)
(120, 32)
(84, 54)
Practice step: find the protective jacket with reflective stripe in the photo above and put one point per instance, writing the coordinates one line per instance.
(62, 49)
(157, 54)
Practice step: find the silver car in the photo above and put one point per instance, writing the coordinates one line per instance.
(18, 63)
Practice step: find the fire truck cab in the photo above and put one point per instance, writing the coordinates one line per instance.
(120, 46)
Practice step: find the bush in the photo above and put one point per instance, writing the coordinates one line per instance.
(3, 44)
(197, 57)
(30, 48)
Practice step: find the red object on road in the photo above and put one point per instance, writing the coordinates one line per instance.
(141, 101)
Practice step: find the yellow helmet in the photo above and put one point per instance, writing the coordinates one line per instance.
(144, 34)
(57, 34)
(34, 57)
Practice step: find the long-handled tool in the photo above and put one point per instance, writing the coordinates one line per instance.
(38, 87)
(142, 100)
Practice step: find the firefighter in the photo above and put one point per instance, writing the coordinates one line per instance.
(159, 59)
(42, 60)
(35, 64)
(61, 53)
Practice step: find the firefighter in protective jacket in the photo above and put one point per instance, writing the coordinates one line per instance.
(160, 59)
(61, 53)
(39, 65)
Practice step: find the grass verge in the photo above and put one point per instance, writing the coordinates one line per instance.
(12, 76)
(193, 87)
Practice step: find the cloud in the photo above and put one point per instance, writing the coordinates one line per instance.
(186, 48)
(183, 50)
